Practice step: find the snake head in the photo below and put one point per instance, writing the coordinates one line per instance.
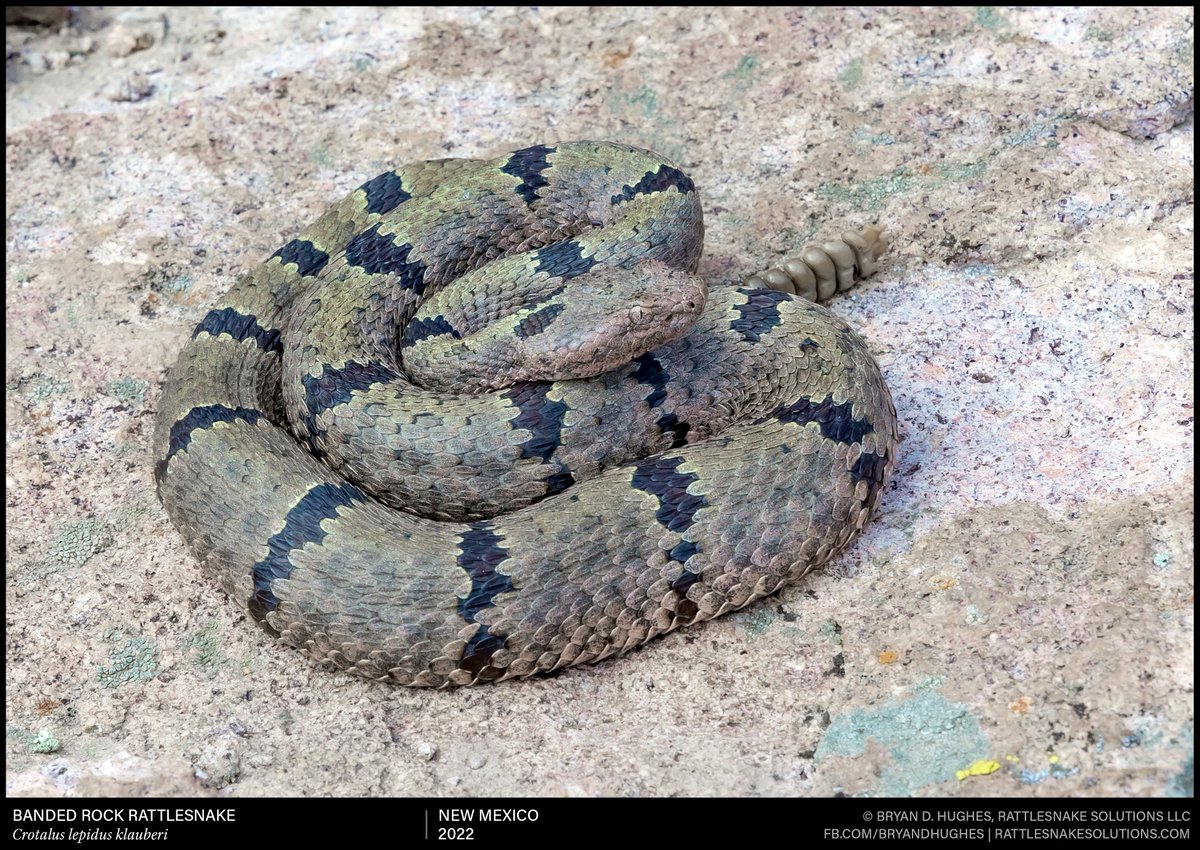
(612, 316)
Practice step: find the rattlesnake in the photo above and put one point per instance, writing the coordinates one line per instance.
(732, 444)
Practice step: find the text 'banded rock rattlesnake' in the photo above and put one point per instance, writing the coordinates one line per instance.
(481, 420)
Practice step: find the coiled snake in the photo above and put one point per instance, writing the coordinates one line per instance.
(651, 454)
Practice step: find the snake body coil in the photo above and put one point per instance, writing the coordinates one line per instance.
(711, 450)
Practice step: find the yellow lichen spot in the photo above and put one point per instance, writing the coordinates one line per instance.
(1011, 758)
(889, 656)
(1053, 758)
(980, 768)
(1020, 706)
(943, 582)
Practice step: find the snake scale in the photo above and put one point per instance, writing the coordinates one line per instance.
(651, 455)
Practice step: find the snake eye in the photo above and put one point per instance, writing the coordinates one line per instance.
(637, 314)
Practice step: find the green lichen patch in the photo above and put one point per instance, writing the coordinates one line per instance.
(127, 449)
(204, 645)
(45, 742)
(73, 316)
(131, 659)
(975, 617)
(42, 741)
(831, 630)
(286, 721)
(745, 74)
(989, 18)
(19, 736)
(76, 542)
(1034, 132)
(961, 172)
(871, 193)
(1183, 784)
(757, 620)
(128, 513)
(321, 155)
(642, 99)
(168, 279)
(928, 738)
(39, 389)
(866, 137)
(851, 75)
(1184, 53)
(130, 391)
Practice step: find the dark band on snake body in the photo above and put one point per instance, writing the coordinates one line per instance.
(198, 419)
(837, 421)
(229, 321)
(538, 321)
(686, 579)
(538, 414)
(872, 468)
(480, 556)
(759, 314)
(656, 181)
(678, 429)
(385, 193)
(378, 253)
(683, 550)
(650, 371)
(543, 418)
(309, 259)
(564, 260)
(479, 651)
(659, 477)
(421, 329)
(303, 525)
(528, 164)
(559, 481)
(337, 386)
